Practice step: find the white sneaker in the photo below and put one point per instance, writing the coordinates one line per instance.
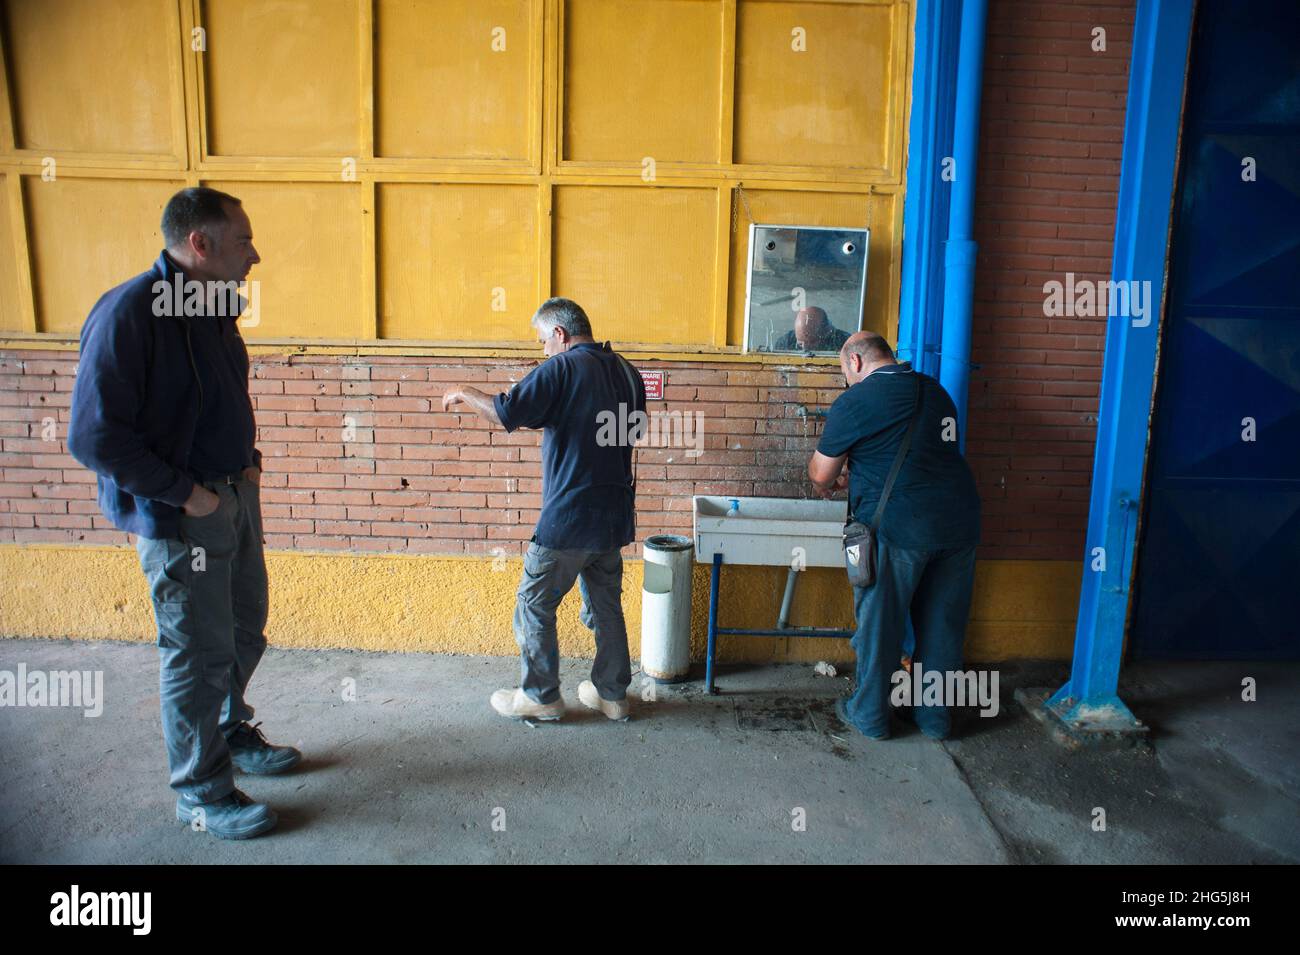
(618, 710)
(519, 705)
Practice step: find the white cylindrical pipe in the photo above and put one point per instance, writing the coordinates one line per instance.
(666, 607)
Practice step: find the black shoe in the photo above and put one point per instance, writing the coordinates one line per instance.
(251, 753)
(231, 817)
(844, 718)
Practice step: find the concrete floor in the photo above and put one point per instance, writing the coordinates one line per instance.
(418, 768)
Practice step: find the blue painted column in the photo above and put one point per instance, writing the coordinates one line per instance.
(960, 249)
(1161, 34)
(929, 192)
(949, 43)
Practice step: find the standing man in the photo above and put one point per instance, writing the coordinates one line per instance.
(588, 499)
(927, 535)
(160, 412)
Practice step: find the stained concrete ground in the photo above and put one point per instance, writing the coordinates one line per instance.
(419, 769)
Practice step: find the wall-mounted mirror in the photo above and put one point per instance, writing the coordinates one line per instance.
(806, 288)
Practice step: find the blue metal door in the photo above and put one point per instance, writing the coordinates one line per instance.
(1219, 559)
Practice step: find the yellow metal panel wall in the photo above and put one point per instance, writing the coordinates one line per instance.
(282, 78)
(87, 236)
(641, 78)
(457, 262)
(401, 158)
(453, 79)
(309, 237)
(814, 84)
(91, 77)
(11, 318)
(640, 261)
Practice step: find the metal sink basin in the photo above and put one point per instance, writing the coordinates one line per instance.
(767, 530)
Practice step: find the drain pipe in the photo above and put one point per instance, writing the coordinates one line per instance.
(960, 249)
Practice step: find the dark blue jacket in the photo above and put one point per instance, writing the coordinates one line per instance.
(135, 403)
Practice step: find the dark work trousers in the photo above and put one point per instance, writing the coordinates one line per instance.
(935, 587)
(209, 592)
(549, 575)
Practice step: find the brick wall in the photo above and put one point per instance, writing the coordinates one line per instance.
(1052, 126)
(411, 478)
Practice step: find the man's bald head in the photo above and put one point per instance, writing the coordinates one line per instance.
(862, 354)
(811, 326)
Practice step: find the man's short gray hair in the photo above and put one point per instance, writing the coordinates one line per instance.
(562, 313)
(871, 347)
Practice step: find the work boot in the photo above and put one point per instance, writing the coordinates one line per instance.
(231, 817)
(618, 710)
(518, 704)
(251, 753)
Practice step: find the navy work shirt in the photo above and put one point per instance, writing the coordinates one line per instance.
(135, 403)
(583, 401)
(934, 504)
(226, 430)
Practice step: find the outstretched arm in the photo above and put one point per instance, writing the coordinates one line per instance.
(474, 399)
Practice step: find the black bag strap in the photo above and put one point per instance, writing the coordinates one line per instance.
(898, 458)
(632, 375)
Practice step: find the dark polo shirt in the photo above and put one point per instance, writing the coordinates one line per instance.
(934, 504)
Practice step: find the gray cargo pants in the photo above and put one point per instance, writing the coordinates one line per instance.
(549, 575)
(209, 591)
(935, 587)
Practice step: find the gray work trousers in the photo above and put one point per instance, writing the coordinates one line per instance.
(549, 575)
(209, 591)
(935, 587)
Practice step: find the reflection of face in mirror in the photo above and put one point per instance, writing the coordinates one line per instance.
(813, 331)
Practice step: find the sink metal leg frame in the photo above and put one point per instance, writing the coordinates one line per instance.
(715, 586)
(714, 580)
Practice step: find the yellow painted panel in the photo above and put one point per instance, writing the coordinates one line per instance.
(309, 235)
(433, 604)
(639, 260)
(848, 210)
(828, 105)
(452, 78)
(283, 78)
(642, 79)
(91, 77)
(11, 317)
(87, 236)
(457, 262)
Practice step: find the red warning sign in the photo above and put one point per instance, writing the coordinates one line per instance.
(654, 384)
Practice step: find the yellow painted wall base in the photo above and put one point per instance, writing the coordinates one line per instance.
(463, 604)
